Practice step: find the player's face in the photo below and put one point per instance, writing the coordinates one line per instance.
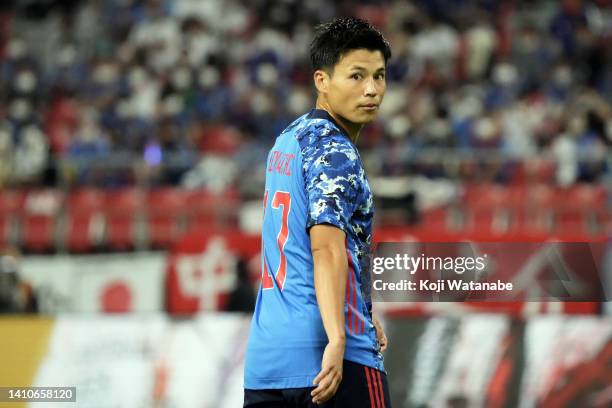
(358, 85)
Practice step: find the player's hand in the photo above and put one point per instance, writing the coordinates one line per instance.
(380, 333)
(328, 380)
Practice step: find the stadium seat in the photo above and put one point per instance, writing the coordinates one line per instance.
(39, 219)
(487, 220)
(485, 195)
(536, 215)
(85, 220)
(11, 201)
(166, 211)
(606, 222)
(490, 207)
(584, 196)
(206, 209)
(517, 196)
(572, 222)
(437, 219)
(122, 209)
(580, 209)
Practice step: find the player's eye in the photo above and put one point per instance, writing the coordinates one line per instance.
(379, 77)
(356, 76)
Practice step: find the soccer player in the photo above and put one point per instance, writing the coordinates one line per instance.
(313, 339)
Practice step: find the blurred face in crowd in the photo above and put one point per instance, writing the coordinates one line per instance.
(354, 90)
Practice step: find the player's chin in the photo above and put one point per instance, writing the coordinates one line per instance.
(365, 117)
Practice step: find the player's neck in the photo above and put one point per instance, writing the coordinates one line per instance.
(351, 128)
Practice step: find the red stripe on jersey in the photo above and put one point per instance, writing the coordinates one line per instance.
(348, 302)
(358, 318)
(355, 321)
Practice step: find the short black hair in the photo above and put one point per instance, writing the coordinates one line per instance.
(341, 35)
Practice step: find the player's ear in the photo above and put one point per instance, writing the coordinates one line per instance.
(321, 80)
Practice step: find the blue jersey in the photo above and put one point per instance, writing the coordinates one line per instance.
(314, 175)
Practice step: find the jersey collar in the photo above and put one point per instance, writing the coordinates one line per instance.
(323, 114)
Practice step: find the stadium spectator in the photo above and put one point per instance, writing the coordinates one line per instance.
(15, 295)
(516, 79)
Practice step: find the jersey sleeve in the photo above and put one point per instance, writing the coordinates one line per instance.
(332, 172)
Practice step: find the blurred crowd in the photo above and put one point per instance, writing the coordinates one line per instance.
(193, 93)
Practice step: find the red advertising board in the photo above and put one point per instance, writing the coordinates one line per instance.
(201, 273)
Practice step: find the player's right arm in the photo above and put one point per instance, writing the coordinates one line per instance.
(330, 276)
